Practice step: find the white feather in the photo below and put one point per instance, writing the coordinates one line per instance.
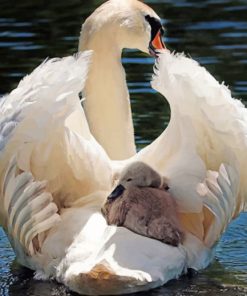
(207, 129)
(22, 221)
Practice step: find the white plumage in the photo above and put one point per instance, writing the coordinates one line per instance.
(54, 175)
(29, 209)
(76, 246)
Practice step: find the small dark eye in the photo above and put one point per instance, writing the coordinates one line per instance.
(129, 180)
(162, 31)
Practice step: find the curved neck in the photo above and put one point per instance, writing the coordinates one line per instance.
(107, 104)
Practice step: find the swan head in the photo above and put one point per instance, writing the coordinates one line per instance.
(123, 24)
(138, 174)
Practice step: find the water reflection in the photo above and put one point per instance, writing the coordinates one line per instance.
(212, 31)
(216, 280)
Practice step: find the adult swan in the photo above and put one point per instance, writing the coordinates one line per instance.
(55, 176)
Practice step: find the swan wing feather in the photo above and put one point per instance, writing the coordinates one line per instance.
(20, 217)
(217, 124)
(50, 129)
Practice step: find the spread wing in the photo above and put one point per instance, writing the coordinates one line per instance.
(207, 133)
(49, 134)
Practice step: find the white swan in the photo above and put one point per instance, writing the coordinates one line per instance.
(114, 26)
(55, 176)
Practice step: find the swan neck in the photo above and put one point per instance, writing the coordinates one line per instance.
(107, 104)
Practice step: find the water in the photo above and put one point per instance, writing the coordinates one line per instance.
(214, 32)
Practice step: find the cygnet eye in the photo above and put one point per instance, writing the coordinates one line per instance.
(128, 180)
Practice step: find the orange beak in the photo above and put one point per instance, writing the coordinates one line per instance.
(157, 42)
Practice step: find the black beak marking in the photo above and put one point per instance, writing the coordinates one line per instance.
(116, 193)
(155, 25)
(152, 50)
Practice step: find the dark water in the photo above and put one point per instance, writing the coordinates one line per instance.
(213, 32)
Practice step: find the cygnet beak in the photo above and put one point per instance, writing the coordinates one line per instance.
(116, 193)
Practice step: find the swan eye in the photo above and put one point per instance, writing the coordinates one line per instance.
(162, 31)
(155, 25)
(128, 180)
(157, 31)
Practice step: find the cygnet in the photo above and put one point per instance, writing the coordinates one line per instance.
(141, 202)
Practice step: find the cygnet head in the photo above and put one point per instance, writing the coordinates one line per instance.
(123, 24)
(138, 174)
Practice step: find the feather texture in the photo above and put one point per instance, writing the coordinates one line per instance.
(201, 154)
(23, 218)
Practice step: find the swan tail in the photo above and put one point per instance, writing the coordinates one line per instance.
(28, 210)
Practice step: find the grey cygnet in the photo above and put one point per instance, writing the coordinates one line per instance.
(142, 204)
